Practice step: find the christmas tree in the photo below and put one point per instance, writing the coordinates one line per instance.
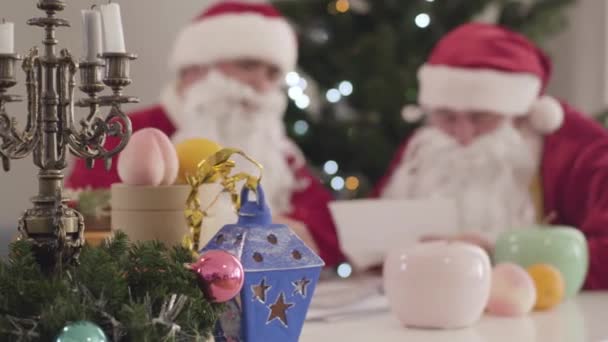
(603, 118)
(358, 63)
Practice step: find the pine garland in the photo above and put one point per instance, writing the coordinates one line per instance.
(138, 292)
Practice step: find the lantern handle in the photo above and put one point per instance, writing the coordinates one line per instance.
(260, 197)
(254, 212)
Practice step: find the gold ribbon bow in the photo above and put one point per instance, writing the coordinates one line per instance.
(216, 168)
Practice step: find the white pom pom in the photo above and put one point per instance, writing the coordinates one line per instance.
(546, 115)
(412, 113)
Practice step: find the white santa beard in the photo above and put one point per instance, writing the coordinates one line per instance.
(234, 115)
(488, 180)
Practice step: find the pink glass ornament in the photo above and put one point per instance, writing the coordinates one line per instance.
(221, 275)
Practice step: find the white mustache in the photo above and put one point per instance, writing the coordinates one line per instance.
(218, 94)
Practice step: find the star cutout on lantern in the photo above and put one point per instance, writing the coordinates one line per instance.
(278, 310)
(259, 291)
(301, 287)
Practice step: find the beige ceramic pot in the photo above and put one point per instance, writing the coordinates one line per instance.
(157, 212)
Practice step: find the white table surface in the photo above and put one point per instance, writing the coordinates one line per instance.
(580, 319)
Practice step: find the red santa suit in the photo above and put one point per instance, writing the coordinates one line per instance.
(487, 68)
(224, 32)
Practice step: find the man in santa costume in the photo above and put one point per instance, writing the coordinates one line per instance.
(229, 64)
(509, 154)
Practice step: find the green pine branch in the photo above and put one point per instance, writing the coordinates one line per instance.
(123, 287)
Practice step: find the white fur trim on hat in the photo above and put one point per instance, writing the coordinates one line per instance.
(546, 115)
(510, 94)
(232, 36)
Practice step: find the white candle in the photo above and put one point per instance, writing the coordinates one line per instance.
(7, 37)
(114, 39)
(91, 21)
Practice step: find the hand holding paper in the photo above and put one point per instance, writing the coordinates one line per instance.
(368, 229)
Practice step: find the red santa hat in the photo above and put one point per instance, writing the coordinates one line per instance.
(233, 29)
(484, 67)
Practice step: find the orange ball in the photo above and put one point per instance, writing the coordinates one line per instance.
(190, 153)
(550, 286)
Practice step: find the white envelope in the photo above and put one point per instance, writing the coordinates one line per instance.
(368, 229)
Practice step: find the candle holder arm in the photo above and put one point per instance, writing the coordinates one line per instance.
(90, 141)
(16, 144)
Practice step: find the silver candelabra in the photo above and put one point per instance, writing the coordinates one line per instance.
(55, 230)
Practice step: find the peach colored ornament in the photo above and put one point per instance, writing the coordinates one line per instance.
(438, 284)
(169, 156)
(149, 159)
(513, 292)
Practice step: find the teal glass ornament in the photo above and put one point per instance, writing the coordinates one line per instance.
(80, 332)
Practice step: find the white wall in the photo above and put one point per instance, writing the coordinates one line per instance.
(579, 56)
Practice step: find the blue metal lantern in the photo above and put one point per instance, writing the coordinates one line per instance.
(281, 273)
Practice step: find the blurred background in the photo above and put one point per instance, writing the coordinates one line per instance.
(357, 70)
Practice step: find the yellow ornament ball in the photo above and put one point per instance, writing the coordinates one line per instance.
(550, 286)
(190, 153)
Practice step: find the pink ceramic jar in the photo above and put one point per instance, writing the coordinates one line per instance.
(438, 284)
